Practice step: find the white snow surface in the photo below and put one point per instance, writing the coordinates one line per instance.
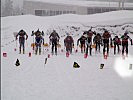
(57, 79)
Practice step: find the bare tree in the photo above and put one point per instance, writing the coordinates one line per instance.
(8, 8)
(17, 10)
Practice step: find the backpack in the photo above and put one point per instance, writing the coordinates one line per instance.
(106, 35)
(69, 40)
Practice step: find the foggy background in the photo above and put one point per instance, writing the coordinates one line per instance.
(15, 7)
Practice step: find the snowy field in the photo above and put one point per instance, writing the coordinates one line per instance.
(57, 79)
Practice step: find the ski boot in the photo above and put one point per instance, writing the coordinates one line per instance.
(35, 52)
(19, 51)
(52, 53)
(56, 53)
(23, 51)
(39, 51)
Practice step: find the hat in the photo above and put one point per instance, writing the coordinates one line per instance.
(21, 30)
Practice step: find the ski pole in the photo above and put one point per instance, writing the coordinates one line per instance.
(33, 44)
(16, 44)
(26, 43)
(43, 49)
(46, 59)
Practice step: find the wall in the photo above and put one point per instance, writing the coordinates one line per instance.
(31, 6)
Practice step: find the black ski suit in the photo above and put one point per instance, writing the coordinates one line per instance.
(125, 43)
(105, 38)
(54, 38)
(97, 40)
(89, 41)
(82, 40)
(22, 39)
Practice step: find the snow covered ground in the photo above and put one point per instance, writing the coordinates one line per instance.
(58, 80)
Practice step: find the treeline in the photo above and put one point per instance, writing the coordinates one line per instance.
(9, 9)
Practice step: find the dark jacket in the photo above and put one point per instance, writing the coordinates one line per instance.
(22, 35)
(68, 41)
(97, 39)
(82, 40)
(116, 40)
(125, 39)
(54, 37)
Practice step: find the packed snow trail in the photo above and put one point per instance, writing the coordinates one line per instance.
(58, 80)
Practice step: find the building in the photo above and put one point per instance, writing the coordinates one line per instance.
(51, 8)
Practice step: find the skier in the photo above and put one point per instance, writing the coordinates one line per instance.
(38, 40)
(37, 33)
(69, 43)
(89, 41)
(97, 40)
(105, 38)
(117, 42)
(54, 39)
(82, 40)
(22, 39)
(125, 38)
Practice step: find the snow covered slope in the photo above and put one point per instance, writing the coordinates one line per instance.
(58, 80)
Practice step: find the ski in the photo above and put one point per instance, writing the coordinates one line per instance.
(85, 55)
(67, 54)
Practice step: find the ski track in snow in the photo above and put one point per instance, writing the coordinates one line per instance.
(58, 80)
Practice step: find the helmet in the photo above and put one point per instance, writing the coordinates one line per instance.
(21, 30)
(125, 33)
(116, 36)
(38, 30)
(105, 31)
(98, 33)
(67, 34)
(84, 33)
(89, 30)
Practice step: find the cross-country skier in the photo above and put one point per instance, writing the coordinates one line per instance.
(82, 40)
(69, 43)
(106, 37)
(117, 42)
(54, 39)
(38, 40)
(125, 39)
(22, 39)
(97, 40)
(37, 33)
(89, 41)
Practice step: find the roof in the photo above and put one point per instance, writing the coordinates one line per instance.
(84, 3)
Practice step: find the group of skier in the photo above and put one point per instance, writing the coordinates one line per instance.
(85, 40)
(104, 40)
